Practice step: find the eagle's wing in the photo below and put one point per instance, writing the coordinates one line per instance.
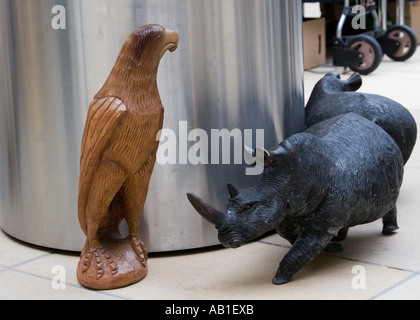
(103, 118)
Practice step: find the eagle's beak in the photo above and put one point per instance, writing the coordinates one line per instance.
(171, 40)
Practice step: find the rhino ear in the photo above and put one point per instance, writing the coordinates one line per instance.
(258, 156)
(233, 192)
(274, 158)
(353, 83)
(279, 157)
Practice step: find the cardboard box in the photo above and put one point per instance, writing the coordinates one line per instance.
(314, 46)
(415, 26)
(412, 15)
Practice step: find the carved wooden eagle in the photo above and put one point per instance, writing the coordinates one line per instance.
(119, 149)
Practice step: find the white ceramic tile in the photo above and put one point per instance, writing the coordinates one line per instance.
(246, 273)
(14, 252)
(406, 290)
(23, 286)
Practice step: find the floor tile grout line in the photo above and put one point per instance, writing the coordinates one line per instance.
(344, 258)
(31, 260)
(15, 267)
(370, 263)
(394, 286)
(25, 262)
(274, 244)
(67, 283)
(412, 275)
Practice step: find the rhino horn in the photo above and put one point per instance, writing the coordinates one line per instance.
(206, 211)
(233, 192)
(353, 83)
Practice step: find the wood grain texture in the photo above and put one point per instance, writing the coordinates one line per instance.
(118, 153)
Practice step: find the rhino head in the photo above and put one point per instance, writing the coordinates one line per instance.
(253, 211)
(332, 83)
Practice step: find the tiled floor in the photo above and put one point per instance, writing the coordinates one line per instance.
(371, 266)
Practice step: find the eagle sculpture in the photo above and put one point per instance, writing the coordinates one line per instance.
(118, 154)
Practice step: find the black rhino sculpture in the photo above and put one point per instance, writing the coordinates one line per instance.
(339, 173)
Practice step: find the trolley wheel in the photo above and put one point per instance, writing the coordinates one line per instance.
(407, 39)
(371, 51)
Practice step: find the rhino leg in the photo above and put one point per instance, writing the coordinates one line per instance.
(389, 221)
(304, 249)
(289, 230)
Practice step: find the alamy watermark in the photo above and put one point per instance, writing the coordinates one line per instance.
(59, 20)
(359, 20)
(220, 146)
(359, 280)
(58, 282)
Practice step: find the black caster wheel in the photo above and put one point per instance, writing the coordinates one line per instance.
(371, 52)
(407, 40)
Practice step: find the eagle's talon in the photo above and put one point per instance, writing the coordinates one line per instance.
(140, 250)
(102, 262)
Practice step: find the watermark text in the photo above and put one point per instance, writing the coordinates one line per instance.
(59, 20)
(221, 146)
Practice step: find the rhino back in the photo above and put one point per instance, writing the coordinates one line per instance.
(352, 169)
(394, 118)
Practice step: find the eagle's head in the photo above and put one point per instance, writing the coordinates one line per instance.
(150, 42)
(135, 71)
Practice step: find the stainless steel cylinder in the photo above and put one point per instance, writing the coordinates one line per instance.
(238, 67)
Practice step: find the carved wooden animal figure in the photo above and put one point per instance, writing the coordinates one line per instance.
(339, 173)
(117, 158)
(332, 97)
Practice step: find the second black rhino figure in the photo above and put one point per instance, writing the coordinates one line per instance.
(332, 96)
(339, 173)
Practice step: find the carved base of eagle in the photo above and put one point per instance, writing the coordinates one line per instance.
(98, 269)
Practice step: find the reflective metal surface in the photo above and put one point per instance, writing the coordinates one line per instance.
(238, 66)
